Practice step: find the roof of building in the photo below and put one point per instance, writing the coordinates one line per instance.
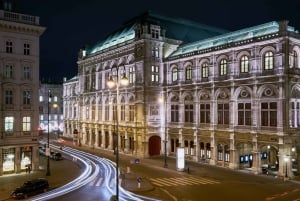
(239, 35)
(176, 28)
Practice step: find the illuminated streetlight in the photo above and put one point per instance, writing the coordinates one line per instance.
(111, 84)
(48, 148)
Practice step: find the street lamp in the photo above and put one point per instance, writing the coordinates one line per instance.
(111, 84)
(164, 101)
(48, 148)
(286, 160)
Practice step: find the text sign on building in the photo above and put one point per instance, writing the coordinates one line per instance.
(180, 163)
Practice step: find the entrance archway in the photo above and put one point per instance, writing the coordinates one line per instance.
(154, 145)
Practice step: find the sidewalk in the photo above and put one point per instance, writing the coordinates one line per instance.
(59, 176)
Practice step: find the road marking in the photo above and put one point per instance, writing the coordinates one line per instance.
(175, 181)
(99, 181)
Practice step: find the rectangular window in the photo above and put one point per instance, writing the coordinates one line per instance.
(26, 124)
(8, 71)
(9, 124)
(154, 74)
(189, 113)
(26, 72)
(123, 112)
(269, 114)
(106, 112)
(223, 113)
(26, 49)
(154, 110)
(9, 46)
(155, 52)
(131, 75)
(99, 112)
(26, 97)
(244, 114)
(174, 113)
(9, 97)
(154, 33)
(204, 113)
(131, 112)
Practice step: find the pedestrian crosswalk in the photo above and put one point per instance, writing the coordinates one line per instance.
(96, 182)
(175, 181)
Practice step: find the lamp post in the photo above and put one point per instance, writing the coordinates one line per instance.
(164, 101)
(111, 84)
(286, 160)
(48, 148)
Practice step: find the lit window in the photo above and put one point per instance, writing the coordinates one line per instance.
(223, 67)
(188, 73)
(9, 124)
(131, 75)
(155, 52)
(244, 64)
(174, 74)
(268, 61)
(205, 70)
(26, 124)
(154, 73)
(41, 98)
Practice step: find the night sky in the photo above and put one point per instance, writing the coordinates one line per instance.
(72, 24)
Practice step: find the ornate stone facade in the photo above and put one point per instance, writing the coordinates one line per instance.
(19, 80)
(229, 98)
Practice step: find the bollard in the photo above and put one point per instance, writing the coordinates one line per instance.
(128, 169)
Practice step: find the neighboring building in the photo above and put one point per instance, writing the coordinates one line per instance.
(230, 98)
(51, 108)
(19, 81)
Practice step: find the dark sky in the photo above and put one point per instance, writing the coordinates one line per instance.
(71, 24)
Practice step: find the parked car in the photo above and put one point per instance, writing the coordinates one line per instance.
(30, 188)
(56, 156)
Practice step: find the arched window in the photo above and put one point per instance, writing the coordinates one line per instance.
(295, 56)
(223, 67)
(174, 74)
(269, 61)
(204, 70)
(174, 110)
(188, 72)
(188, 110)
(244, 64)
